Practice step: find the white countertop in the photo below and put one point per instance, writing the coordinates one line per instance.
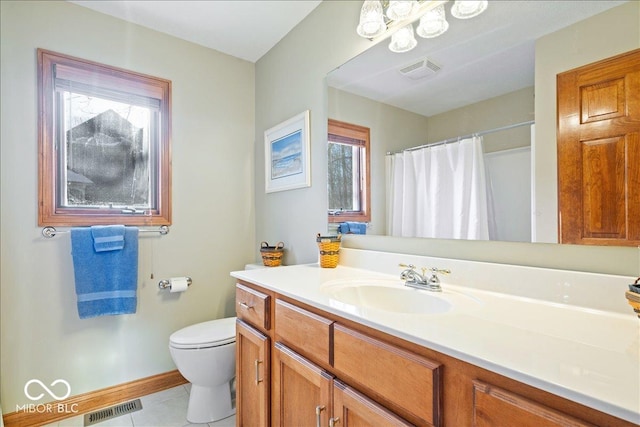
(586, 355)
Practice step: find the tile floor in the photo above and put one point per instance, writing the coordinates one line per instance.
(166, 408)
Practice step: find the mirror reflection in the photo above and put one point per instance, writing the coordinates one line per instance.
(474, 80)
(348, 161)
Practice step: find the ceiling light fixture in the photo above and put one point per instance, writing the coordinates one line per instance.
(378, 17)
(465, 9)
(398, 10)
(371, 20)
(433, 23)
(403, 40)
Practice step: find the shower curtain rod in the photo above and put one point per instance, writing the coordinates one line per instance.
(458, 138)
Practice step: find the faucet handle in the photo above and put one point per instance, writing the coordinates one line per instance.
(434, 279)
(409, 266)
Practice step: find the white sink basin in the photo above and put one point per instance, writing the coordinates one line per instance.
(385, 295)
(390, 299)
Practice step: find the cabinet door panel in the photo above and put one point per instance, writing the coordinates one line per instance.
(252, 376)
(496, 407)
(301, 390)
(352, 409)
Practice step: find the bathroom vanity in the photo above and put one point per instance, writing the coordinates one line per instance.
(354, 346)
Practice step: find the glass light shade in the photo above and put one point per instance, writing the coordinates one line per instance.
(465, 9)
(403, 40)
(401, 9)
(433, 23)
(371, 20)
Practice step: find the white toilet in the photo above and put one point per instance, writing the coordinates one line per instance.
(204, 354)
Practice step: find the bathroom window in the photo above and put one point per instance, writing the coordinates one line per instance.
(104, 136)
(349, 186)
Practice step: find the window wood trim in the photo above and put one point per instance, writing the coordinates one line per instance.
(355, 135)
(127, 81)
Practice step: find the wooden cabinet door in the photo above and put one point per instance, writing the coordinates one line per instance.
(599, 152)
(495, 407)
(301, 390)
(252, 376)
(352, 409)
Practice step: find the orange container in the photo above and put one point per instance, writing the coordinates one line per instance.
(329, 247)
(271, 255)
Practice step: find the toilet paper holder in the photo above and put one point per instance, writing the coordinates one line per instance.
(166, 283)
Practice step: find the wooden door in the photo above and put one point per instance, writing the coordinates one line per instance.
(352, 409)
(252, 376)
(301, 390)
(599, 152)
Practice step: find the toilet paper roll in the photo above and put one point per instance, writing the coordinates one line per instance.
(179, 284)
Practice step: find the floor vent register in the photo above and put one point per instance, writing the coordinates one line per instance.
(112, 412)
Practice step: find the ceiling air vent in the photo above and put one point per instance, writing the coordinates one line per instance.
(421, 69)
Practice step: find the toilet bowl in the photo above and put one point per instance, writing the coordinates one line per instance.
(204, 354)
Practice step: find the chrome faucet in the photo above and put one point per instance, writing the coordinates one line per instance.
(413, 279)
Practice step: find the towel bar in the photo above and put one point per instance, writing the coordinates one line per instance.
(50, 231)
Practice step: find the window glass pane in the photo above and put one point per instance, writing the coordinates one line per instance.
(105, 152)
(344, 177)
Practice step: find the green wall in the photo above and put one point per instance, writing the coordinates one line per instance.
(213, 217)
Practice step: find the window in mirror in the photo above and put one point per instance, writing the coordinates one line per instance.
(104, 144)
(348, 172)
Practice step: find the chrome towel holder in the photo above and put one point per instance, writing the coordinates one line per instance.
(50, 231)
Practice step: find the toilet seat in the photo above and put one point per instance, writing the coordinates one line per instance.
(213, 333)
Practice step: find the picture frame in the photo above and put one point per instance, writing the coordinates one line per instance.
(287, 154)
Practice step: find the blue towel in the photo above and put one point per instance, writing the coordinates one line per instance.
(106, 282)
(353, 228)
(107, 237)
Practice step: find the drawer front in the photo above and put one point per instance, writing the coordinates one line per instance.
(407, 383)
(495, 406)
(305, 332)
(253, 307)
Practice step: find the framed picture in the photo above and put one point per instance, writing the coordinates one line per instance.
(287, 163)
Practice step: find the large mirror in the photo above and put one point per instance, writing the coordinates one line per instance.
(476, 78)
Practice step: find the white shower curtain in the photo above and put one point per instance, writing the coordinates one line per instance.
(440, 192)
